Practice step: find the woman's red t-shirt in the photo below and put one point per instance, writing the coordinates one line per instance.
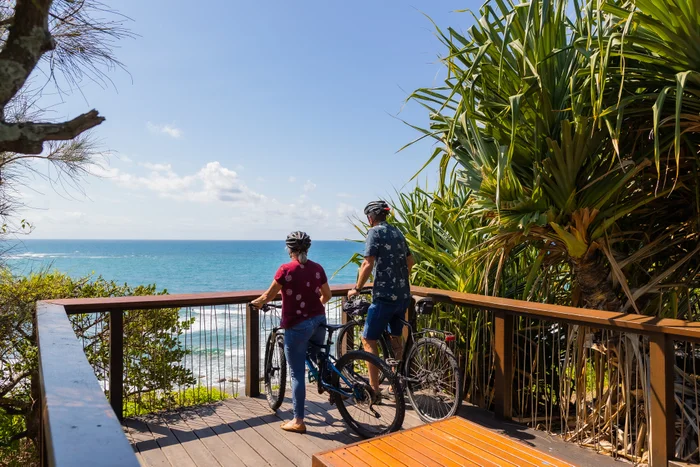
(301, 291)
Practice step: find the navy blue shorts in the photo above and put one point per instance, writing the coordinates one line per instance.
(383, 315)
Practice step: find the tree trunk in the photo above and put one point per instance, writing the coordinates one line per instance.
(592, 276)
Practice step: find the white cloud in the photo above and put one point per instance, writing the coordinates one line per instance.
(169, 130)
(345, 211)
(292, 179)
(344, 195)
(309, 186)
(124, 158)
(156, 167)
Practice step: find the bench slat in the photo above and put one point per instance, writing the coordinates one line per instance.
(451, 442)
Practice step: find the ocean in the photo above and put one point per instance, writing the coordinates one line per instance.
(215, 341)
(180, 266)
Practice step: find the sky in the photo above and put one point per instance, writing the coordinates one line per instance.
(247, 120)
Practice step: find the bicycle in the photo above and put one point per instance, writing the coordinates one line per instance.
(428, 370)
(346, 380)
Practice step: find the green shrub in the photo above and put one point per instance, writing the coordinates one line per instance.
(152, 354)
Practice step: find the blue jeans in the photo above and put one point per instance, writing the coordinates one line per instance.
(384, 315)
(296, 341)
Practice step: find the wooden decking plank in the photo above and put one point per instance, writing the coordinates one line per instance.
(400, 455)
(467, 451)
(217, 448)
(190, 442)
(139, 457)
(351, 459)
(335, 427)
(315, 425)
(382, 456)
(275, 437)
(543, 458)
(168, 443)
(231, 438)
(145, 443)
(330, 459)
(367, 457)
(414, 453)
(251, 436)
(306, 442)
(500, 448)
(432, 449)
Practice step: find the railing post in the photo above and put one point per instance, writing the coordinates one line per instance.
(503, 348)
(348, 336)
(116, 362)
(252, 349)
(662, 424)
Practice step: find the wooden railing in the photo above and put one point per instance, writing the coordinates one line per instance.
(80, 428)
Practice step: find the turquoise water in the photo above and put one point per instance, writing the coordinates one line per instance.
(215, 340)
(178, 266)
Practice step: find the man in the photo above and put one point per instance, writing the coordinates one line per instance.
(387, 254)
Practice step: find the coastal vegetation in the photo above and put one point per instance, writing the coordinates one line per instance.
(153, 357)
(567, 138)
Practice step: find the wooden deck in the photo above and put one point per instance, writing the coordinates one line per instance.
(244, 431)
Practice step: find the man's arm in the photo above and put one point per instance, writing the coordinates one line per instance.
(365, 271)
(410, 262)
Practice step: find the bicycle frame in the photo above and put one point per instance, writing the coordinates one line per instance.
(327, 362)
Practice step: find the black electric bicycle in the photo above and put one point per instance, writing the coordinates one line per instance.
(346, 379)
(427, 369)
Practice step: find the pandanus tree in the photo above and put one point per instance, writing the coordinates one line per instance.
(564, 124)
(573, 130)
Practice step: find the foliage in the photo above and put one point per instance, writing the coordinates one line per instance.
(532, 112)
(152, 353)
(50, 46)
(567, 136)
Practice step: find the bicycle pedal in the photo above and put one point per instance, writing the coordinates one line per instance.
(392, 362)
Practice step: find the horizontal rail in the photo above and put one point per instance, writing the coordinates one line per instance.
(92, 305)
(78, 425)
(629, 322)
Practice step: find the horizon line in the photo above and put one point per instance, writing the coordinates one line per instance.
(178, 239)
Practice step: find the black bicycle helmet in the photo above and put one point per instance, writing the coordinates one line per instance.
(377, 207)
(356, 306)
(298, 241)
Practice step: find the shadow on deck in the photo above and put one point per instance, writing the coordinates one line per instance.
(244, 431)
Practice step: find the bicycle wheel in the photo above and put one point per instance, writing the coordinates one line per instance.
(350, 338)
(275, 370)
(433, 380)
(365, 412)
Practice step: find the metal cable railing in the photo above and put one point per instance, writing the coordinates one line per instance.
(624, 384)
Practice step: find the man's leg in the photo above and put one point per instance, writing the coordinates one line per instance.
(375, 324)
(396, 329)
(371, 347)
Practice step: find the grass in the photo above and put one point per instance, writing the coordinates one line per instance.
(154, 401)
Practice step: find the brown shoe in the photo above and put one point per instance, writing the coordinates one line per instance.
(292, 427)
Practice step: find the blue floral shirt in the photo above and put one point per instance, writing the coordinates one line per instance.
(388, 247)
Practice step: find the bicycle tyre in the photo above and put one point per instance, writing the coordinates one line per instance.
(399, 404)
(275, 372)
(432, 411)
(354, 340)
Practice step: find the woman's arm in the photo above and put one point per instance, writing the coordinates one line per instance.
(269, 295)
(326, 294)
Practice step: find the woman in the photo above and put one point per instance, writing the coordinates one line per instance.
(305, 292)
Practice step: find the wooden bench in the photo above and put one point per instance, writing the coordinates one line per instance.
(451, 442)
